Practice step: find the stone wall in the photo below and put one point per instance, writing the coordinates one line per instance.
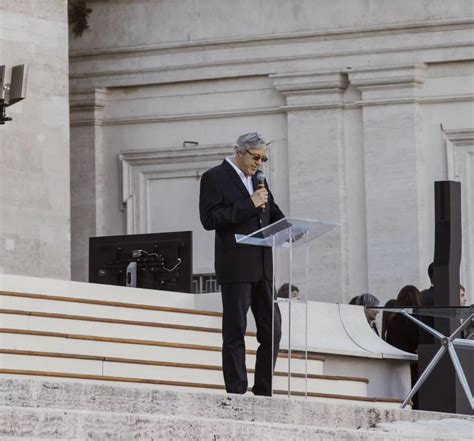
(354, 95)
(34, 146)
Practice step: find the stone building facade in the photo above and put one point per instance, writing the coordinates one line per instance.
(367, 103)
(34, 147)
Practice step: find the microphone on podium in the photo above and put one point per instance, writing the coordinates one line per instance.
(261, 184)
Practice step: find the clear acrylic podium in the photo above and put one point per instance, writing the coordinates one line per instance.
(289, 233)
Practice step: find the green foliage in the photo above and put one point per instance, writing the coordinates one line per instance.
(78, 12)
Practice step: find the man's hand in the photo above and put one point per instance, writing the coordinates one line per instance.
(260, 197)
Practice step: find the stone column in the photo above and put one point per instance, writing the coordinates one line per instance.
(34, 146)
(394, 170)
(86, 120)
(315, 124)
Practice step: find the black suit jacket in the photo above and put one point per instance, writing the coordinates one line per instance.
(225, 206)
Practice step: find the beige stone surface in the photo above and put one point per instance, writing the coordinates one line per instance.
(43, 409)
(34, 146)
(353, 102)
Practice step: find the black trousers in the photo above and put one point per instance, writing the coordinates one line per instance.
(236, 300)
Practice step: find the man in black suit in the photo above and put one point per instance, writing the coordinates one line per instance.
(231, 203)
(428, 299)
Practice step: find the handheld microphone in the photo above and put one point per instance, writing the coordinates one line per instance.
(261, 184)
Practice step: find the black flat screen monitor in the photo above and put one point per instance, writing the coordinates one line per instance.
(162, 260)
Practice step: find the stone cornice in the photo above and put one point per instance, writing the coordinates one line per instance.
(304, 82)
(460, 137)
(88, 100)
(269, 59)
(86, 107)
(311, 90)
(389, 85)
(393, 76)
(157, 72)
(191, 155)
(316, 106)
(192, 116)
(297, 37)
(153, 119)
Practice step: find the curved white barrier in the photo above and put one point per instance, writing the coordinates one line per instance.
(335, 329)
(357, 328)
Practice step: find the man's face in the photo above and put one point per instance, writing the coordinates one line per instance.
(250, 160)
(463, 298)
(370, 314)
(295, 295)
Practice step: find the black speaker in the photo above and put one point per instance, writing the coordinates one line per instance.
(442, 391)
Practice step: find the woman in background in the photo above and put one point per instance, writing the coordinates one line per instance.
(403, 333)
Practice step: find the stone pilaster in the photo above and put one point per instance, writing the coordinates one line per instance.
(315, 124)
(394, 176)
(86, 205)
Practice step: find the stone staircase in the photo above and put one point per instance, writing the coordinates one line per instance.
(40, 409)
(101, 339)
(81, 361)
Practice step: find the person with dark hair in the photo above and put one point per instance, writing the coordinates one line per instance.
(353, 300)
(284, 292)
(387, 316)
(427, 298)
(409, 296)
(234, 201)
(403, 333)
(368, 301)
(427, 301)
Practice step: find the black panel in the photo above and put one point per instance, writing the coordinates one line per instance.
(442, 391)
(155, 254)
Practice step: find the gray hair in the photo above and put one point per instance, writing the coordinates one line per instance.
(367, 299)
(250, 140)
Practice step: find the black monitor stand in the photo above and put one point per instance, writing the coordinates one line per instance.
(154, 261)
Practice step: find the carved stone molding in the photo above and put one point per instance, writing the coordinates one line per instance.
(459, 143)
(192, 116)
(311, 90)
(86, 107)
(139, 167)
(271, 39)
(460, 167)
(389, 85)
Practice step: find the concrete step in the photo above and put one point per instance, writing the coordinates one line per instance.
(42, 409)
(101, 327)
(109, 309)
(166, 373)
(140, 349)
(92, 291)
(16, 423)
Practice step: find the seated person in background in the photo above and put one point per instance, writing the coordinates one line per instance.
(284, 292)
(353, 300)
(468, 332)
(422, 294)
(401, 331)
(387, 316)
(463, 296)
(368, 301)
(404, 333)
